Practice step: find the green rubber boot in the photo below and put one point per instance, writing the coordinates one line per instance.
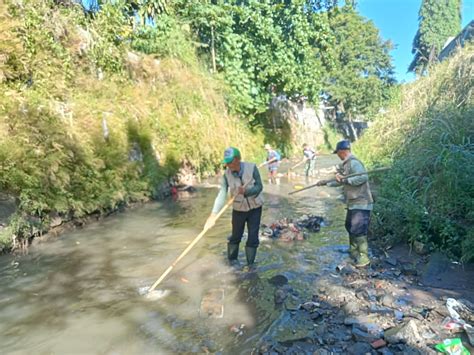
(232, 252)
(353, 250)
(363, 249)
(250, 253)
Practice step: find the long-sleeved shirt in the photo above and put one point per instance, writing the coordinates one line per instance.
(249, 191)
(354, 183)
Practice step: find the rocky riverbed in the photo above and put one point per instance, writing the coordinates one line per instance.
(399, 305)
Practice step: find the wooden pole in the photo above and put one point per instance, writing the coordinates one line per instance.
(334, 180)
(189, 247)
(293, 167)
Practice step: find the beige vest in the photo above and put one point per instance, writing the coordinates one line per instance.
(242, 203)
(356, 195)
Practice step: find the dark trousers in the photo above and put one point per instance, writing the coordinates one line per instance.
(357, 222)
(252, 218)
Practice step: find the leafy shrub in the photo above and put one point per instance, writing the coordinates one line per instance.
(168, 38)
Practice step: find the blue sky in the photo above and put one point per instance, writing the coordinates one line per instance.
(397, 20)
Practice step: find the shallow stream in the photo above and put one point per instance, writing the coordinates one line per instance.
(78, 293)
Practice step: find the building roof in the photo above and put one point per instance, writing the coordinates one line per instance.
(465, 36)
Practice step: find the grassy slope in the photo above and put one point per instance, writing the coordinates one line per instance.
(428, 137)
(53, 154)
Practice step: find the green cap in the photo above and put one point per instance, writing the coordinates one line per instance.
(229, 155)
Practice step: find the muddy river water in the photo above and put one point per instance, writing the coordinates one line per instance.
(78, 293)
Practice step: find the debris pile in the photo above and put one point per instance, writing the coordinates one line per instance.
(287, 229)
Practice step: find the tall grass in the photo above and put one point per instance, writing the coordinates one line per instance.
(54, 154)
(428, 137)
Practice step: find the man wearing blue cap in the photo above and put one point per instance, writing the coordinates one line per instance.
(359, 201)
(243, 181)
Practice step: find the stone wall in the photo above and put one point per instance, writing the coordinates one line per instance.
(303, 121)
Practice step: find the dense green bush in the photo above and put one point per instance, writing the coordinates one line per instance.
(169, 38)
(429, 139)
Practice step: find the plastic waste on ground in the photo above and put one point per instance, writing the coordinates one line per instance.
(456, 323)
(452, 347)
(454, 307)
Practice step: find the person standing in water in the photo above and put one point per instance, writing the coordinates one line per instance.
(242, 180)
(273, 160)
(309, 156)
(359, 201)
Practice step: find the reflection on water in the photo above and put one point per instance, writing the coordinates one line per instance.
(79, 293)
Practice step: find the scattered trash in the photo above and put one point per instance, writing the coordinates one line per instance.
(452, 325)
(185, 280)
(310, 306)
(380, 343)
(457, 310)
(311, 223)
(428, 335)
(452, 347)
(288, 229)
(237, 329)
(212, 304)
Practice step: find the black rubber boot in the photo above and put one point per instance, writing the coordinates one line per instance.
(232, 252)
(250, 253)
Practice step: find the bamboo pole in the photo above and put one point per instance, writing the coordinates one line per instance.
(189, 247)
(334, 180)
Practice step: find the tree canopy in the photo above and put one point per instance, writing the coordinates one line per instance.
(263, 47)
(358, 81)
(438, 20)
(300, 48)
(297, 48)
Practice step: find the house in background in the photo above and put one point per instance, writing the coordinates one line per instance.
(464, 37)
